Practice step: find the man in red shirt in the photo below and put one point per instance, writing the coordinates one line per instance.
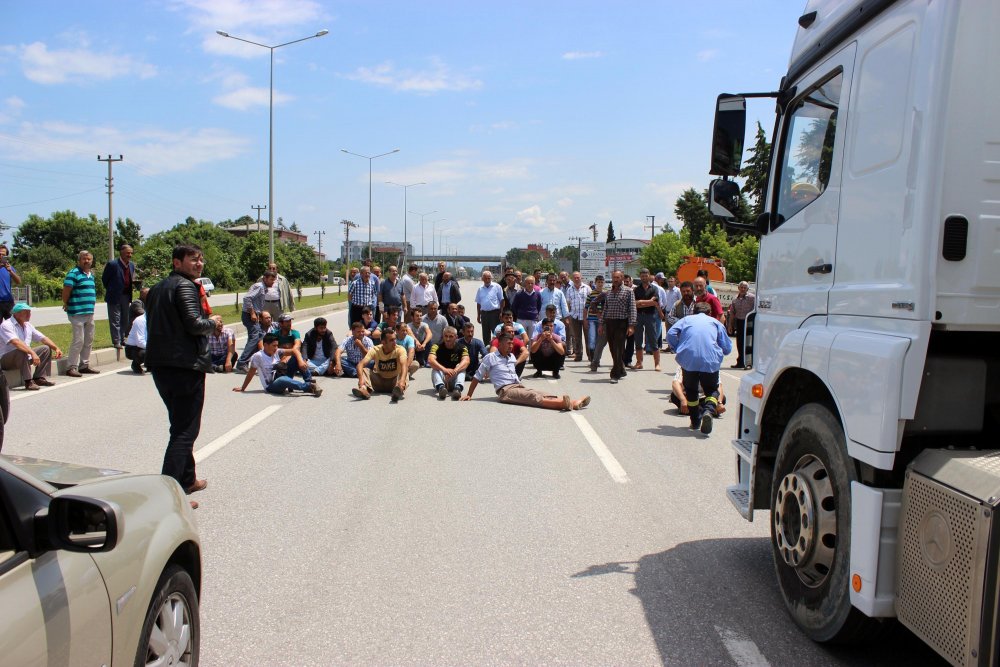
(701, 295)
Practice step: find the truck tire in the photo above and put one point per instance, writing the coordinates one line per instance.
(811, 527)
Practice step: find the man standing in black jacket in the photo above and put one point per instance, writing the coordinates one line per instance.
(178, 357)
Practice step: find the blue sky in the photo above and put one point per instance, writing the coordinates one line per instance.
(529, 121)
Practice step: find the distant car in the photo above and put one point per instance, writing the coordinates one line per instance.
(337, 280)
(96, 567)
(207, 284)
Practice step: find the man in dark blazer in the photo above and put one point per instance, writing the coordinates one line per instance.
(117, 278)
(448, 291)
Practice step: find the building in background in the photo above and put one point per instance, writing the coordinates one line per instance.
(282, 234)
(624, 255)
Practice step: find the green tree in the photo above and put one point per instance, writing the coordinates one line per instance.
(52, 243)
(570, 252)
(297, 262)
(253, 257)
(127, 231)
(666, 252)
(741, 259)
(692, 210)
(611, 231)
(755, 171)
(294, 227)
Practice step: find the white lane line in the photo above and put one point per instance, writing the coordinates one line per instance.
(611, 464)
(741, 649)
(60, 383)
(233, 433)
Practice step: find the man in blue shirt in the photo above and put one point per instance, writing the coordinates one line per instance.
(7, 275)
(552, 294)
(500, 366)
(701, 343)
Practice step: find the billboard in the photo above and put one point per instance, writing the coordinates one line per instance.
(592, 262)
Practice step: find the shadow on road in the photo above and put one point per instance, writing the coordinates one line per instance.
(706, 598)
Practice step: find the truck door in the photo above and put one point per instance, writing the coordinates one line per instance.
(797, 256)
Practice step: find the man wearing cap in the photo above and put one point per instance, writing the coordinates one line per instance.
(390, 372)
(135, 342)
(16, 335)
(500, 367)
(489, 300)
(79, 296)
(290, 339)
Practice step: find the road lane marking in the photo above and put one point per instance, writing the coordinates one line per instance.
(741, 649)
(611, 464)
(233, 433)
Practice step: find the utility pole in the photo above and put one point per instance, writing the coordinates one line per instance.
(579, 240)
(347, 246)
(111, 219)
(259, 209)
(319, 257)
(651, 226)
(593, 228)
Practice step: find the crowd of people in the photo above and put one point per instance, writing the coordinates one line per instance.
(398, 326)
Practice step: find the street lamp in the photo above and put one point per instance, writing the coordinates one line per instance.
(405, 188)
(422, 231)
(270, 128)
(441, 238)
(433, 232)
(369, 158)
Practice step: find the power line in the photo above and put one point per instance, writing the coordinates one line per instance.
(42, 201)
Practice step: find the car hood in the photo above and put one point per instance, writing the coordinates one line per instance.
(59, 474)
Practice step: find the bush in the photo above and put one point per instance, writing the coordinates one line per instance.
(43, 288)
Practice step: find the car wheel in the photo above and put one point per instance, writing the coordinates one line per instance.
(811, 527)
(170, 633)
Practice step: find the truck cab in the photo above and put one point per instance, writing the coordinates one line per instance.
(876, 339)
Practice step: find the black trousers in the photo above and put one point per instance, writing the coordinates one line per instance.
(490, 318)
(354, 313)
(553, 362)
(740, 326)
(183, 392)
(616, 331)
(709, 384)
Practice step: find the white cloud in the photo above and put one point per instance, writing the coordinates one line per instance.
(264, 21)
(565, 202)
(464, 168)
(10, 109)
(77, 65)
(706, 55)
(582, 55)
(239, 95)
(437, 77)
(153, 150)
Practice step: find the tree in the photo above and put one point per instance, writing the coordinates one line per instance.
(127, 231)
(294, 227)
(611, 231)
(692, 210)
(755, 172)
(741, 259)
(297, 262)
(52, 244)
(570, 252)
(666, 252)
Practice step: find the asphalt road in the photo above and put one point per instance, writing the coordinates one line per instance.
(338, 531)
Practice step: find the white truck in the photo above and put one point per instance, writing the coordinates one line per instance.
(869, 426)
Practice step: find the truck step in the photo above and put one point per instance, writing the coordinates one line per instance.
(739, 496)
(745, 448)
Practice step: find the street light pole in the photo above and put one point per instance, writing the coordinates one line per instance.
(270, 129)
(433, 232)
(422, 254)
(369, 158)
(405, 188)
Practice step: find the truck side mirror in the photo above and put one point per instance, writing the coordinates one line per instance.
(727, 136)
(723, 198)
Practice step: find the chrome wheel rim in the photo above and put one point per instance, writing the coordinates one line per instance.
(805, 521)
(170, 642)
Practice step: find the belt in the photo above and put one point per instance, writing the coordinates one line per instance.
(272, 300)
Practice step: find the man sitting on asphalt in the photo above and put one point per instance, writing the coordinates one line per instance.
(477, 349)
(448, 359)
(701, 343)
(348, 356)
(369, 321)
(507, 317)
(518, 348)
(390, 318)
(319, 345)
(291, 339)
(499, 366)
(263, 363)
(389, 373)
(456, 316)
(436, 322)
(222, 345)
(135, 342)
(405, 340)
(548, 351)
(422, 335)
(16, 335)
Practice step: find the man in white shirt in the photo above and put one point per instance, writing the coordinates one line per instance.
(262, 363)
(406, 284)
(135, 342)
(423, 293)
(489, 299)
(576, 297)
(16, 335)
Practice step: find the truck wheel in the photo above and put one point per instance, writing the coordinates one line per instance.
(811, 527)
(171, 631)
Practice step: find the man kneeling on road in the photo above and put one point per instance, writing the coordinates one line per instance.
(448, 359)
(499, 365)
(262, 362)
(390, 372)
(701, 343)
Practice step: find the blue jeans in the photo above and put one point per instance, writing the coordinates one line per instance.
(254, 336)
(645, 332)
(350, 368)
(322, 368)
(292, 366)
(438, 379)
(283, 382)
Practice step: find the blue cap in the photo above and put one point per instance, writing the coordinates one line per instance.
(18, 307)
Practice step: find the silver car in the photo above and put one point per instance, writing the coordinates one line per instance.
(97, 567)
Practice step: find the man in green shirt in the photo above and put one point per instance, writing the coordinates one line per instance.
(79, 296)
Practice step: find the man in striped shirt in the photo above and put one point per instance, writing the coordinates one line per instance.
(363, 291)
(79, 296)
(617, 322)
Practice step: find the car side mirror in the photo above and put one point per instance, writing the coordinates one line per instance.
(82, 525)
(727, 135)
